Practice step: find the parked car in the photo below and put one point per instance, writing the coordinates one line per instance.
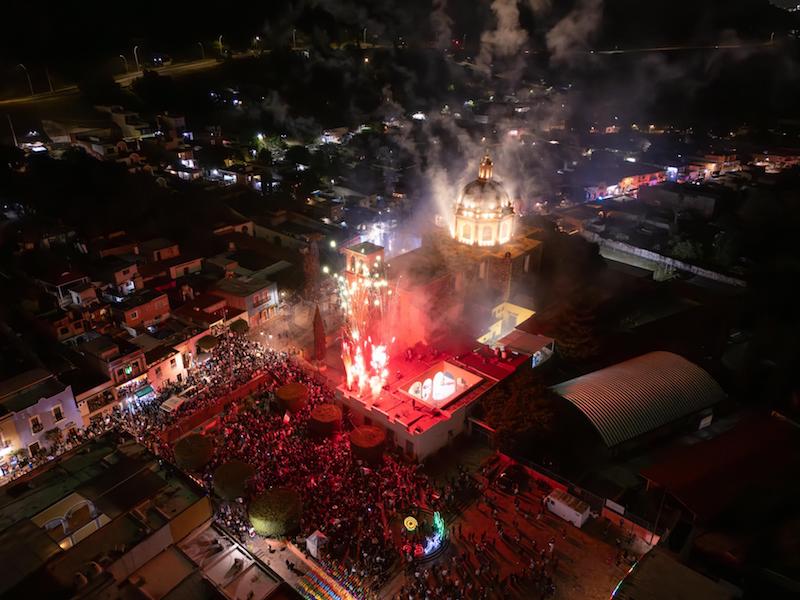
(512, 475)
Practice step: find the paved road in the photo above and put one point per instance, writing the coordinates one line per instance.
(174, 70)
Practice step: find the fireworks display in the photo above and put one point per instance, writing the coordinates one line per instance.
(365, 299)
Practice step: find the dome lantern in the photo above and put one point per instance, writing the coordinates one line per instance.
(485, 170)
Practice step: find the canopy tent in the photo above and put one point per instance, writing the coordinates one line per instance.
(144, 391)
(172, 403)
(207, 342)
(315, 542)
(239, 326)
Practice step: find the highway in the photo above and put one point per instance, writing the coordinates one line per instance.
(125, 80)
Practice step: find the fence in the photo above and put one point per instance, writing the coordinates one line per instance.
(190, 422)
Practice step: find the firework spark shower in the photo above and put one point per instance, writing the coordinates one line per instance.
(366, 340)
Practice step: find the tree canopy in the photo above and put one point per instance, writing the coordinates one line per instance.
(521, 407)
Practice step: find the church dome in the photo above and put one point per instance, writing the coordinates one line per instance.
(485, 196)
(483, 212)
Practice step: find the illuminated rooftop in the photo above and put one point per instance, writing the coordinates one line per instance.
(441, 384)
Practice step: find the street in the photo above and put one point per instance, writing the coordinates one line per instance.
(175, 70)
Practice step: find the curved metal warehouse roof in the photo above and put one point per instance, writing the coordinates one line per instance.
(631, 398)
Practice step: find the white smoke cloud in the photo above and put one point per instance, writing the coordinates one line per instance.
(442, 24)
(506, 40)
(570, 37)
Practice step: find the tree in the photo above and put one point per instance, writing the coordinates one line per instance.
(193, 452)
(99, 87)
(298, 155)
(230, 479)
(576, 334)
(239, 326)
(157, 92)
(319, 336)
(521, 407)
(686, 250)
(276, 512)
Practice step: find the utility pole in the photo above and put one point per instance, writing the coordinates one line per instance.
(13, 134)
(202, 50)
(49, 82)
(124, 62)
(136, 57)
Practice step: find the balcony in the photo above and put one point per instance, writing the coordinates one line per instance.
(100, 401)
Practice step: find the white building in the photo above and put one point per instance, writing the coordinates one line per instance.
(36, 411)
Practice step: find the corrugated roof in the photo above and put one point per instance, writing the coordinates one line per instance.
(640, 395)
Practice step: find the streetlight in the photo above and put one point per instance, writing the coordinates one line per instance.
(219, 41)
(202, 51)
(136, 57)
(124, 61)
(27, 75)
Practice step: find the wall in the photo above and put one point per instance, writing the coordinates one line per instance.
(662, 260)
(190, 519)
(8, 435)
(43, 409)
(147, 313)
(193, 266)
(141, 553)
(167, 373)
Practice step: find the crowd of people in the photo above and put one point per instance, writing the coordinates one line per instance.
(474, 570)
(355, 505)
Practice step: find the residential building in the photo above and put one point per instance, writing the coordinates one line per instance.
(234, 225)
(88, 527)
(36, 411)
(59, 285)
(120, 360)
(172, 268)
(130, 124)
(41, 235)
(158, 249)
(258, 299)
(116, 243)
(170, 350)
(102, 144)
(95, 394)
(206, 310)
(164, 365)
(120, 275)
(141, 310)
(83, 294)
(69, 325)
(238, 174)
